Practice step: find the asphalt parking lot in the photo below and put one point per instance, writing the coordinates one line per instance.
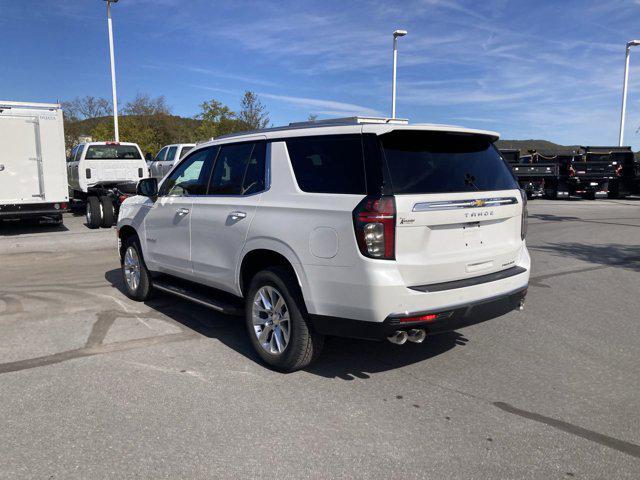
(93, 385)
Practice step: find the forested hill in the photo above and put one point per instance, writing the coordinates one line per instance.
(539, 145)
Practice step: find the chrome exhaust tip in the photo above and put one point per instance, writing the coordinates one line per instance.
(521, 305)
(399, 337)
(417, 335)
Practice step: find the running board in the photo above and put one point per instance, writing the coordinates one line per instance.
(194, 296)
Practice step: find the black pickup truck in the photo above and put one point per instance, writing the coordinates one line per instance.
(603, 171)
(540, 175)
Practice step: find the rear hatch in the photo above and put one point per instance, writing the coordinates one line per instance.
(113, 163)
(458, 206)
(593, 169)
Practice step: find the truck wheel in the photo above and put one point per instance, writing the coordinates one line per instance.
(136, 277)
(94, 212)
(108, 212)
(277, 322)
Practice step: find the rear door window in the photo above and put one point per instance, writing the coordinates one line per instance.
(328, 164)
(442, 162)
(113, 152)
(239, 169)
(171, 154)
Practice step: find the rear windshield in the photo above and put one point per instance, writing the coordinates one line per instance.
(112, 152)
(442, 162)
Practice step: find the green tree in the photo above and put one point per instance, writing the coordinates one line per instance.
(253, 114)
(216, 119)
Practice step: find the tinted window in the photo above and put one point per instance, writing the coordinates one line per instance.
(160, 155)
(171, 154)
(329, 164)
(112, 152)
(191, 176)
(185, 150)
(239, 169)
(78, 154)
(254, 177)
(436, 162)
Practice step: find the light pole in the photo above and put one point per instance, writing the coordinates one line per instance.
(396, 34)
(625, 83)
(113, 71)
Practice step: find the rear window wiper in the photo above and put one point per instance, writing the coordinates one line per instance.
(470, 180)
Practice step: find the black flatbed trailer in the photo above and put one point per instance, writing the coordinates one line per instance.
(540, 175)
(603, 171)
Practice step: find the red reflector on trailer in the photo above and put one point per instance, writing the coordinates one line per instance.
(419, 318)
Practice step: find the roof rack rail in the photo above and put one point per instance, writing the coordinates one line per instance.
(330, 122)
(350, 121)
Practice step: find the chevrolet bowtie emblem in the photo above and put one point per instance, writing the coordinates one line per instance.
(479, 203)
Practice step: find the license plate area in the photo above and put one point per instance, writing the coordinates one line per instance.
(472, 235)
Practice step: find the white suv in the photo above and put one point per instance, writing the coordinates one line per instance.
(368, 228)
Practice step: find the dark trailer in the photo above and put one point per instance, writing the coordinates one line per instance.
(603, 171)
(540, 175)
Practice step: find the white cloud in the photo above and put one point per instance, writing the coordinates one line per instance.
(321, 106)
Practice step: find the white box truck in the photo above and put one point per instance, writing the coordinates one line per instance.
(33, 177)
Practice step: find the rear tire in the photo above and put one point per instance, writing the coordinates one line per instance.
(135, 276)
(266, 326)
(94, 212)
(108, 212)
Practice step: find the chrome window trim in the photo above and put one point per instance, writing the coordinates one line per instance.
(472, 203)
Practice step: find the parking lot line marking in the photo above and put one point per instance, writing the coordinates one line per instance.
(619, 445)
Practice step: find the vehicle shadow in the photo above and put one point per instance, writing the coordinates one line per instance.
(12, 228)
(342, 358)
(547, 217)
(612, 254)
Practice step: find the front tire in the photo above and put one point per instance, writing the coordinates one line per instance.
(277, 322)
(93, 212)
(135, 276)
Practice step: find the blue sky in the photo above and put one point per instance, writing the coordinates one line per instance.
(544, 69)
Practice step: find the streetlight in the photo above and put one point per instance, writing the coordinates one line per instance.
(113, 71)
(396, 34)
(632, 43)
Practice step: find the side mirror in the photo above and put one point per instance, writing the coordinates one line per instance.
(148, 157)
(148, 187)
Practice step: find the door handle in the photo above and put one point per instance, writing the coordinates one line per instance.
(183, 211)
(237, 215)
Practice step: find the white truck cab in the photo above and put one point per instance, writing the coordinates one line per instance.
(101, 173)
(362, 227)
(166, 158)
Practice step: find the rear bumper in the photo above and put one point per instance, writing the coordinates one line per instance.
(32, 210)
(446, 320)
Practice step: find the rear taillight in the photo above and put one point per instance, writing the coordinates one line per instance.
(525, 213)
(374, 220)
(572, 171)
(619, 171)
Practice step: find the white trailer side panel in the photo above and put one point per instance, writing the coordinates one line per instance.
(32, 155)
